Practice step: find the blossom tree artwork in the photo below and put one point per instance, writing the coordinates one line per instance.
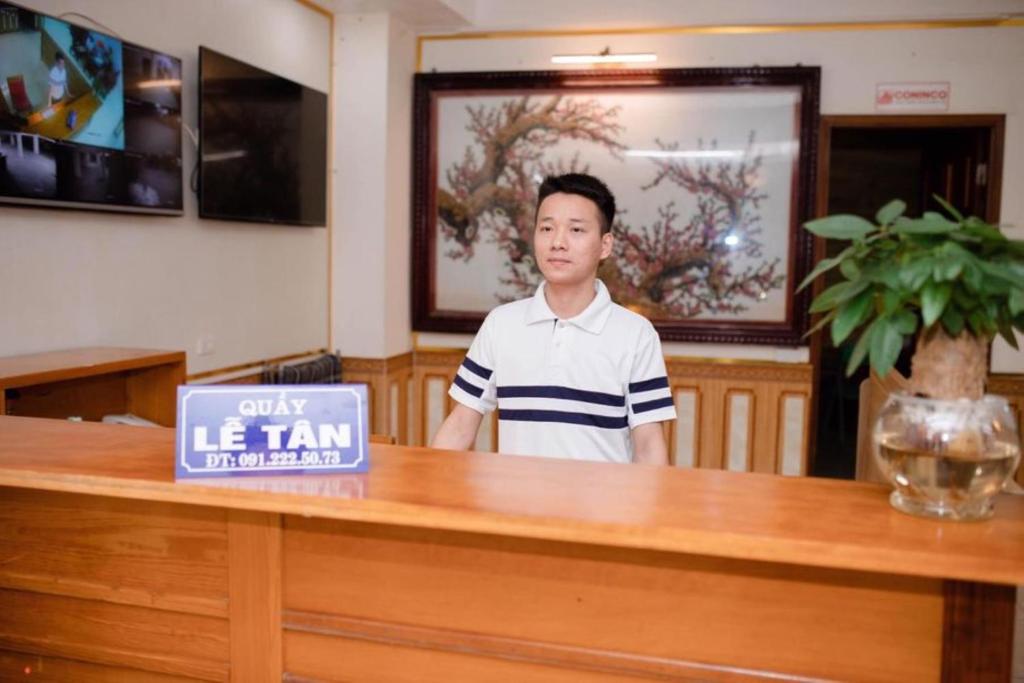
(679, 266)
(711, 181)
(684, 266)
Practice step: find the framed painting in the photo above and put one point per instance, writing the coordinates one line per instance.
(712, 170)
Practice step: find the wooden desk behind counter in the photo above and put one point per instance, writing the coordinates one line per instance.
(444, 566)
(92, 382)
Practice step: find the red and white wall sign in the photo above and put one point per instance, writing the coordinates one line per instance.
(906, 97)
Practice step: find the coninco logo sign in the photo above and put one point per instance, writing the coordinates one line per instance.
(912, 96)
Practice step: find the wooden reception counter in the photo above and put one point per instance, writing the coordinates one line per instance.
(442, 566)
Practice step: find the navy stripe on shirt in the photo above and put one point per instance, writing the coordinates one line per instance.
(652, 405)
(602, 421)
(478, 370)
(540, 391)
(648, 384)
(467, 387)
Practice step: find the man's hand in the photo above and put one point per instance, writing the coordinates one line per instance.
(649, 444)
(458, 431)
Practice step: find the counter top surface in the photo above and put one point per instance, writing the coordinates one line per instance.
(803, 521)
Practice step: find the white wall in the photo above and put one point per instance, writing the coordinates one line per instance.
(375, 60)
(73, 278)
(982, 64)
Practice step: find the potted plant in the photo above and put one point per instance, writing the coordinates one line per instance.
(953, 283)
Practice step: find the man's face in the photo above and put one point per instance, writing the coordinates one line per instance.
(567, 239)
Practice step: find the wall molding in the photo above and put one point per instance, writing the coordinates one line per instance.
(253, 365)
(725, 29)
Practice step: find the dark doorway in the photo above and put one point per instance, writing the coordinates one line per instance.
(866, 161)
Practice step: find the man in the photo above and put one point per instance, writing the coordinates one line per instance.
(572, 374)
(58, 81)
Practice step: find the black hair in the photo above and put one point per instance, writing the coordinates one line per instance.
(586, 186)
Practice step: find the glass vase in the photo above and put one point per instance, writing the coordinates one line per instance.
(946, 459)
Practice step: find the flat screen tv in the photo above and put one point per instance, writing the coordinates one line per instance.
(262, 145)
(86, 120)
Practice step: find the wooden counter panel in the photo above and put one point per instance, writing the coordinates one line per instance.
(327, 658)
(118, 635)
(681, 608)
(40, 669)
(789, 520)
(142, 553)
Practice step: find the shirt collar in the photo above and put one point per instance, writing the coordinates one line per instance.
(592, 319)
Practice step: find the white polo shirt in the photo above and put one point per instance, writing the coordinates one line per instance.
(566, 388)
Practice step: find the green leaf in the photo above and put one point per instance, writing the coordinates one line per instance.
(964, 236)
(979, 323)
(825, 265)
(964, 300)
(850, 315)
(886, 343)
(890, 212)
(1002, 271)
(1006, 332)
(849, 269)
(884, 273)
(842, 226)
(953, 322)
(947, 269)
(860, 350)
(914, 274)
(923, 226)
(934, 298)
(1016, 301)
(973, 277)
(837, 294)
(979, 228)
(905, 321)
(825, 320)
(891, 300)
(948, 207)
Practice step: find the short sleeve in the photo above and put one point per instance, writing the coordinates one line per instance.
(649, 396)
(475, 382)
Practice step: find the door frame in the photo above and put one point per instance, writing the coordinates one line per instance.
(995, 122)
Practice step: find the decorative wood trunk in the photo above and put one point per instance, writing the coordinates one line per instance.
(949, 367)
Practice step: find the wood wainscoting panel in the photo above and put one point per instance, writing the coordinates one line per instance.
(579, 607)
(794, 413)
(776, 436)
(19, 666)
(161, 555)
(411, 411)
(395, 409)
(684, 432)
(431, 369)
(105, 633)
(740, 410)
(382, 376)
(758, 387)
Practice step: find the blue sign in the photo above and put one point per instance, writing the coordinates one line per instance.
(228, 431)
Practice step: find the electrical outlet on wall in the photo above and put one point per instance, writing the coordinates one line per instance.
(204, 345)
